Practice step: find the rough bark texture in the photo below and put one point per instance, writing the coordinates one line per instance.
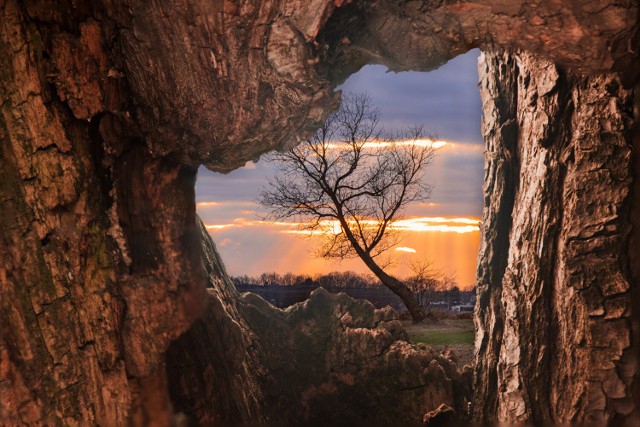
(555, 314)
(585, 36)
(108, 107)
(97, 274)
(214, 368)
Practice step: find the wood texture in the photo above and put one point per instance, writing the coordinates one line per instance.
(107, 109)
(555, 307)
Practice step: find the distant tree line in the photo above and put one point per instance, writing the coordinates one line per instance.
(335, 279)
(283, 290)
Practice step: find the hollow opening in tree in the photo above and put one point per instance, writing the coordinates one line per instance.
(107, 108)
(438, 235)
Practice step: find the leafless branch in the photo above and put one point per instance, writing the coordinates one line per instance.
(350, 173)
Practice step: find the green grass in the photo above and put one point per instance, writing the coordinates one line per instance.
(445, 337)
(466, 323)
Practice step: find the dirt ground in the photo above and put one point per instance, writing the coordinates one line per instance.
(453, 334)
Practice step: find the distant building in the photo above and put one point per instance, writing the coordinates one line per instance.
(466, 308)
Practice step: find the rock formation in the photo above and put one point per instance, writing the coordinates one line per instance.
(330, 360)
(107, 108)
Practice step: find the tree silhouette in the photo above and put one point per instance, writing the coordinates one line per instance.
(429, 284)
(349, 183)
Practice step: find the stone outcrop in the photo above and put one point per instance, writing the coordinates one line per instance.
(107, 108)
(329, 360)
(335, 360)
(443, 416)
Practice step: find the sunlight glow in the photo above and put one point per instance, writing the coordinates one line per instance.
(225, 204)
(279, 248)
(420, 224)
(405, 249)
(451, 225)
(398, 143)
(217, 226)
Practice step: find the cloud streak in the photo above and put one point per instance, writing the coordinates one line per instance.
(416, 225)
(405, 249)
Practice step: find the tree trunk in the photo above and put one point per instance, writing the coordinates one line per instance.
(97, 236)
(106, 111)
(397, 287)
(554, 310)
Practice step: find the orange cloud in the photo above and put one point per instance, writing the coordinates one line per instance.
(449, 146)
(406, 249)
(225, 204)
(225, 242)
(425, 142)
(217, 226)
(200, 205)
(419, 224)
(439, 224)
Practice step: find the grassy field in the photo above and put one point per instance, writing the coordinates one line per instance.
(445, 337)
(449, 333)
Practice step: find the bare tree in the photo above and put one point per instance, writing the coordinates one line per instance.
(349, 183)
(429, 284)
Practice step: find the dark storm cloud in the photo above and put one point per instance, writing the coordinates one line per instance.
(446, 101)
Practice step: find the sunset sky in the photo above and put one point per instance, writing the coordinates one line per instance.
(444, 229)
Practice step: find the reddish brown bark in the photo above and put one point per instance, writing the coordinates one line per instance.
(555, 319)
(107, 109)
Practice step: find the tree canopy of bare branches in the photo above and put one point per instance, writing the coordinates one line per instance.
(349, 183)
(428, 282)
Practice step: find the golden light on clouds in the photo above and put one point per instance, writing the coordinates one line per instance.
(201, 205)
(440, 224)
(449, 236)
(419, 224)
(406, 249)
(397, 143)
(217, 226)
(273, 248)
(226, 204)
(425, 142)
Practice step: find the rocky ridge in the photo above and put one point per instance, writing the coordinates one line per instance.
(328, 360)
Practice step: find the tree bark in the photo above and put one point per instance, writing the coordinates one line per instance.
(554, 313)
(86, 241)
(397, 287)
(100, 266)
(99, 144)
